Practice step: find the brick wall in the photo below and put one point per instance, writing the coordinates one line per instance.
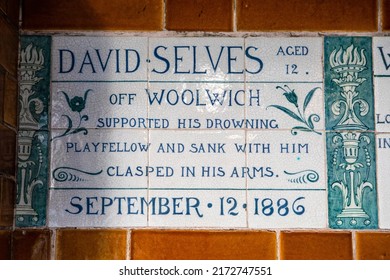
(9, 37)
(318, 17)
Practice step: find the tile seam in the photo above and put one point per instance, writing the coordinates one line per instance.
(379, 20)
(53, 244)
(278, 245)
(172, 33)
(234, 16)
(354, 257)
(128, 242)
(164, 15)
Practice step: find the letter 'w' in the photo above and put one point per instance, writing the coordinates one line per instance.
(387, 65)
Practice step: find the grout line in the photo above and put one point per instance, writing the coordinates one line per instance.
(164, 17)
(354, 245)
(53, 243)
(128, 247)
(180, 34)
(234, 15)
(278, 245)
(379, 10)
(12, 231)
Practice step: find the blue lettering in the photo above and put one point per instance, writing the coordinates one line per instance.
(68, 59)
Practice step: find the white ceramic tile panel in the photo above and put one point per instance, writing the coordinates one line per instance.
(106, 105)
(85, 58)
(196, 59)
(97, 208)
(201, 160)
(284, 59)
(383, 183)
(197, 105)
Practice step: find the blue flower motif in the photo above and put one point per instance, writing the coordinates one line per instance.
(290, 95)
(77, 103)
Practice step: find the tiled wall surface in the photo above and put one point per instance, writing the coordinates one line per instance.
(357, 18)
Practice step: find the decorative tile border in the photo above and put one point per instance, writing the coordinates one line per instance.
(33, 164)
(349, 109)
(310, 146)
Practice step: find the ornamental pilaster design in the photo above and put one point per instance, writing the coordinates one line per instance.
(351, 154)
(31, 61)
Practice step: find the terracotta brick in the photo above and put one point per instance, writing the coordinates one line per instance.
(385, 14)
(11, 9)
(199, 15)
(208, 245)
(5, 245)
(91, 244)
(373, 245)
(31, 245)
(10, 101)
(93, 15)
(7, 201)
(316, 245)
(303, 15)
(8, 46)
(7, 150)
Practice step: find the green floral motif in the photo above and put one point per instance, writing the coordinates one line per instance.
(76, 104)
(292, 97)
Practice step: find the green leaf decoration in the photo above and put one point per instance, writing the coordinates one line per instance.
(70, 124)
(288, 112)
(300, 128)
(310, 122)
(308, 98)
(313, 117)
(66, 97)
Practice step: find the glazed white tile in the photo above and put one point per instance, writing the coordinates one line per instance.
(189, 208)
(97, 208)
(281, 160)
(87, 58)
(199, 176)
(193, 163)
(261, 99)
(287, 209)
(382, 104)
(208, 59)
(381, 63)
(197, 105)
(284, 172)
(381, 59)
(284, 59)
(108, 153)
(383, 183)
(107, 105)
